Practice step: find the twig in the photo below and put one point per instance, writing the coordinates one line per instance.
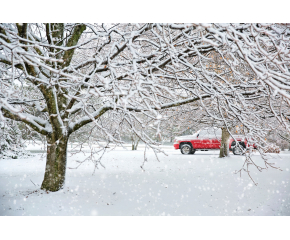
(33, 182)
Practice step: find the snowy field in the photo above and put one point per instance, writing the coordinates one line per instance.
(199, 184)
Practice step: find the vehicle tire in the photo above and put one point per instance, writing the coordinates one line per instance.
(237, 150)
(192, 151)
(186, 149)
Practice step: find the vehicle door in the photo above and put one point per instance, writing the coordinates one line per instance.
(211, 142)
(211, 139)
(196, 142)
(205, 142)
(216, 139)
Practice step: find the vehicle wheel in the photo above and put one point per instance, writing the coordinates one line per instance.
(237, 150)
(186, 149)
(192, 151)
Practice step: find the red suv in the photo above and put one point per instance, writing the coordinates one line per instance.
(207, 139)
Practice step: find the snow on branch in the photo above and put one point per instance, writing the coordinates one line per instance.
(69, 75)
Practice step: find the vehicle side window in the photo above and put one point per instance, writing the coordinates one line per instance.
(203, 134)
(217, 133)
(210, 133)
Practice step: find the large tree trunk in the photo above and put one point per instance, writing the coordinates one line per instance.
(54, 177)
(224, 150)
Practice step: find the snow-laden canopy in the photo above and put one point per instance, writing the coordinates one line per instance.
(57, 78)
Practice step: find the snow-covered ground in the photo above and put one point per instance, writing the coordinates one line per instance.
(199, 184)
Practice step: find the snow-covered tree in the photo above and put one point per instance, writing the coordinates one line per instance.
(11, 142)
(108, 74)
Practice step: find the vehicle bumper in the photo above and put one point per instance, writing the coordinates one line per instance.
(176, 146)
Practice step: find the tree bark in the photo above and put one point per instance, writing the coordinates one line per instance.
(54, 177)
(224, 150)
(135, 141)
